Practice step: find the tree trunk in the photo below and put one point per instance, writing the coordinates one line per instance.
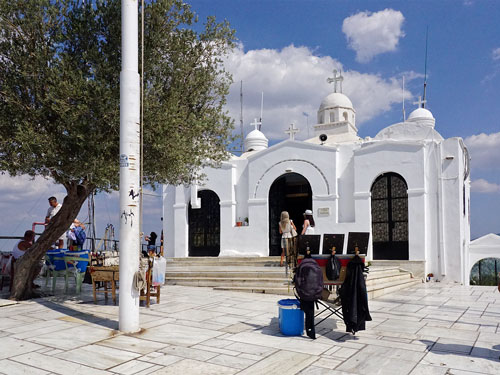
(27, 265)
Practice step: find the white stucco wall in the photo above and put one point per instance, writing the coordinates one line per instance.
(487, 246)
(341, 178)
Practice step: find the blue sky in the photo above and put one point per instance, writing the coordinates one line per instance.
(287, 49)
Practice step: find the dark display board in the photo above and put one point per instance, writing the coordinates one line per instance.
(331, 240)
(311, 240)
(359, 239)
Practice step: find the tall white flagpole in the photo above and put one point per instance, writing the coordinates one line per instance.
(129, 169)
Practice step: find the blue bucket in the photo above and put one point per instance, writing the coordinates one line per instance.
(291, 317)
(57, 264)
(80, 265)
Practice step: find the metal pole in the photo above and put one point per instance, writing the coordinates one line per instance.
(129, 168)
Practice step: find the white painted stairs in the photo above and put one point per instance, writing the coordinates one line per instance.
(264, 275)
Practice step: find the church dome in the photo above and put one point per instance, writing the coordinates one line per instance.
(336, 99)
(423, 116)
(255, 141)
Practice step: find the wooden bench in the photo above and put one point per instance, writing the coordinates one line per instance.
(111, 274)
(104, 275)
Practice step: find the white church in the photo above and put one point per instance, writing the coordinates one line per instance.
(407, 189)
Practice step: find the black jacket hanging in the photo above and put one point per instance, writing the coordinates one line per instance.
(354, 298)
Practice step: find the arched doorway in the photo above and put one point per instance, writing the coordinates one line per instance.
(389, 198)
(204, 226)
(485, 272)
(290, 192)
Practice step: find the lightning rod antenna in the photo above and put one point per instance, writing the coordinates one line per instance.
(404, 112)
(261, 108)
(425, 66)
(241, 118)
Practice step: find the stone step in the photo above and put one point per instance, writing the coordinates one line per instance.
(403, 276)
(381, 290)
(285, 291)
(372, 292)
(225, 274)
(218, 261)
(226, 281)
(416, 267)
(383, 271)
(264, 275)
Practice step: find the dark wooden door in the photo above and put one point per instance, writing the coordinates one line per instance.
(204, 226)
(290, 192)
(390, 217)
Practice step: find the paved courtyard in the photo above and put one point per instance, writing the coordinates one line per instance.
(430, 329)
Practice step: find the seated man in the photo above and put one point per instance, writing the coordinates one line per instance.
(20, 248)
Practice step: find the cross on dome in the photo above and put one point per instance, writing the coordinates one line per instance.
(420, 102)
(336, 79)
(291, 131)
(256, 124)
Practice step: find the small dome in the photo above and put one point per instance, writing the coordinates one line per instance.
(423, 116)
(420, 113)
(335, 99)
(255, 141)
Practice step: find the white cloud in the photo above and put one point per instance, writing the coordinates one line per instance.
(24, 188)
(483, 186)
(484, 150)
(496, 54)
(370, 34)
(294, 81)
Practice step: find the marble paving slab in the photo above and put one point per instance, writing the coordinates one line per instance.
(461, 362)
(281, 362)
(98, 356)
(11, 347)
(132, 344)
(57, 365)
(72, 338)
(190, 366)
(9, 367)
(178, 335)
(304, 345)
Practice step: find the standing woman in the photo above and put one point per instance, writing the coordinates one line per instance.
(308, 227)
(286, 227)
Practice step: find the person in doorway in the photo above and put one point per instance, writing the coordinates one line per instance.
(51, 212)
(287, 229)
(19, 250)
(308, 227)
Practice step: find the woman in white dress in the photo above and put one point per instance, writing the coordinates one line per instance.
(287, 228)
(308, 227)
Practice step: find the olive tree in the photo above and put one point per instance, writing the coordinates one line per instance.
(59, 100)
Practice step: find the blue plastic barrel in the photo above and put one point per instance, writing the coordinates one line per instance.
(58, 265)
(80, 264)
(291, 317)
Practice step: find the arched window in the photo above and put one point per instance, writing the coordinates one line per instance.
(345, 116)
(332, 116)
(204, 225)
(485, 272)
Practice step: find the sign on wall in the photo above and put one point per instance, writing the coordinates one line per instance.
(324, 211)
